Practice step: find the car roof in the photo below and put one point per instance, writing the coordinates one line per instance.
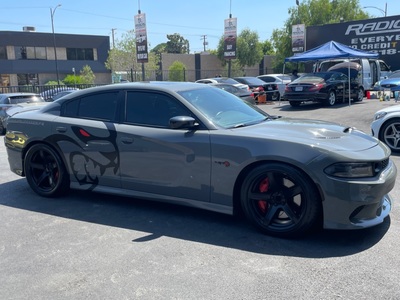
(166, 86)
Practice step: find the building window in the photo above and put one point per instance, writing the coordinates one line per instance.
(3, 52)
(27, 79)
(80, 54)
(22, 52)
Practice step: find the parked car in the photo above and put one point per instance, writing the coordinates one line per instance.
(49, 94)
(386, 127)
(63, 93)
(12, 99)
(224, 80)
(281, 80)
(259, 86)
(328, 88)
(245, 95)
(196, 145)
(391, 83)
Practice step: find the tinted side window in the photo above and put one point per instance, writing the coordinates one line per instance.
(100, 106)
(152, 109)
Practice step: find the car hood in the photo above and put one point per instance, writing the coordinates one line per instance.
(390, 109)
(327, 135)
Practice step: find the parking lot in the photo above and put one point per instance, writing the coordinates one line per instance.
(92, 246)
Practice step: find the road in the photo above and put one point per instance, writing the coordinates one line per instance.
(92, 246)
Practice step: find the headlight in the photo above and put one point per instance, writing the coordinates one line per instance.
(351, 170)
(380, 115)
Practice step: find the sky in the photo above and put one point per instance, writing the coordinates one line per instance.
(196, 21)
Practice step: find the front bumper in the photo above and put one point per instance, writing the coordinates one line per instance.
(360, 204)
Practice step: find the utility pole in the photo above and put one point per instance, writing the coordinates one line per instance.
(205, 43)
(112, 35)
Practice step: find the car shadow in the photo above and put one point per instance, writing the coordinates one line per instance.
(156, 220)
(285, 106)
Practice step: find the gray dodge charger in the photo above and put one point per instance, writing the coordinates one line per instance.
(199, 146)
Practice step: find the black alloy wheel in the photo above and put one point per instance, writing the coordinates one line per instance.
(280, 200)
(45, 171)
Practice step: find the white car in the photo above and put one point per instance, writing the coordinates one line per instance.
(281, 80)
(386, 127)
(224, 80)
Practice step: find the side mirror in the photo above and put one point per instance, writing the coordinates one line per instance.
(182, 122)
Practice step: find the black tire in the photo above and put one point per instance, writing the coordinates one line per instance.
(280, 200)
(360, 95)
(276, 96)
(295, 103)
(390, 134)
(45, 171)
(331, 100)
(2, 129)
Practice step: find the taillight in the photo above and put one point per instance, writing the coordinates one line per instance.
(316, 87)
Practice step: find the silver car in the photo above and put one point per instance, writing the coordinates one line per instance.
(195, 145)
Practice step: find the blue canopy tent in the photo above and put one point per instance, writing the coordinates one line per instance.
(330, 50)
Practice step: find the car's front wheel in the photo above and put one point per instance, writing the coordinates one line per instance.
(390, 134)
(45, 171)
(280, 200)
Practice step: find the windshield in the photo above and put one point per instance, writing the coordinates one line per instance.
(252, 80)
(224, 109)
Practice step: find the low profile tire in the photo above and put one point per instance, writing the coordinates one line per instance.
(295, 103)
(390, 135)
(280, 200)
(45, 171)
(331, 98)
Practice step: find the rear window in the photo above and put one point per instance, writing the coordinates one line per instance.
(25, 99)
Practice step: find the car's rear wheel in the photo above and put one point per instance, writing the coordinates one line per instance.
(331, 98)
(276, 96)
(295, 103)
(390, 134)
(280, 200)
(2, 129)
(45, 171)
(360, 95)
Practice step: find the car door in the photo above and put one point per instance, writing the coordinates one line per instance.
(86, 136)
(157, 160)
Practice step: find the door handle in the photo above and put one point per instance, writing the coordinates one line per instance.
(127, 140)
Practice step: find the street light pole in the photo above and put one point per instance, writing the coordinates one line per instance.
(384, 12)
(52, 11)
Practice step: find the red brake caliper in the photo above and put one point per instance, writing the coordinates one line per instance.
(263, 188)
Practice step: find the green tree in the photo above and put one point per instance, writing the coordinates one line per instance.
(72, 80)
(87, 76)
(177, 71)
(123, 56)
(177, 44)
(310, 13)
(249, 51)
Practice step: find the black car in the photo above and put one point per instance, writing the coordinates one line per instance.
(245, 95)
(259, 86)
(325, 87)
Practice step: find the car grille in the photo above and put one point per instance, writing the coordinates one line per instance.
(381, 165)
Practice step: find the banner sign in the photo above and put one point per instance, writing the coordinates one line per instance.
(230, 35)
(380, 35)
(298, 37)
(142, 55)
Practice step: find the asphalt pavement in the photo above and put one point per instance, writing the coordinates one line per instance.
(93, 246)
